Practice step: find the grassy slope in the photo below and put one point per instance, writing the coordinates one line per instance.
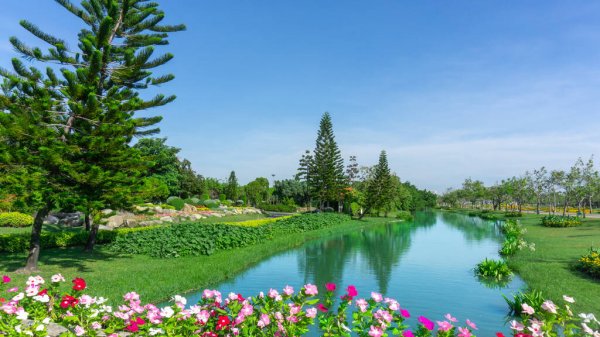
(113, 275)
(550, 267)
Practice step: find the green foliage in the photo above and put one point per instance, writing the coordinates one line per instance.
(590, 263)
(533, 298)
(493, 269)
(176, 202)
(15, 219)
(560, 221)
(513, 232)
(513, 214)
(404, 215)
(257, 191)
(222, 197)
(212, 203)
(290, 189)
(278, 208)
(231, 190)
(379, 189)
(204, 239)
(355, 208)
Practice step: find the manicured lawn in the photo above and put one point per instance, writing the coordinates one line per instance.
(549, 267)
(112, 275)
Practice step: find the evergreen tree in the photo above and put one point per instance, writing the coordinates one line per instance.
(232, 187)
(327, 178)
(305, 174)
(99, 92)
(379, 189)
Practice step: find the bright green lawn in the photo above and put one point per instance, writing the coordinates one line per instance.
(113, 275)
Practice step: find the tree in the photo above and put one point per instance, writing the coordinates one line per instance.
(257, 191)
(327, 178)
(305, 173)
(163, 161)
(379, 189)
(352, 171)
(99, 92)
(192, 184)
(474, 190)
(290, 189)
(498, 194)
(538, 183)
(518, 190)
(232, 187)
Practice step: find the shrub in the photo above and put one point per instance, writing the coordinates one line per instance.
(176, 202)
(278, 208)
(560, 221)
(404, 215)
(590, 263)
(355, 208)
(493, 269)
(533, 298)
(239, 203)
(488, 216)
(15, 219)
(513, 232)
(513, 214)
(222, 197)
(166, 206)
(211, 203)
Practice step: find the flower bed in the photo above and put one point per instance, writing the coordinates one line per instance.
(44, 308)
(560, 221)
(590, 263)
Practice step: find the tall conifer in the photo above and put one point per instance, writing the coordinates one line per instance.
(379, 189)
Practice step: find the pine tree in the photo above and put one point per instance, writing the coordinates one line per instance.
(328, 177)
(232, 187)
(379, 189)
(305, 174)
(99, 92)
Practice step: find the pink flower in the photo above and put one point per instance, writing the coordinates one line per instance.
(375, 331)
(450, 318)
(263, 321)
(514, 325)
(527, 309)
(472, 325)
(549, 306)
(5, 279)
(96, 326)
(288, 290)
(362, 304)
(426, 323)
(444, 325)
(131, 296)
(408, 333)
(79, 331)
(311, 312)
(321, 307)
(57, 278)
(13, 290)
(330, 286)
(377, 297)
(404, 313)
(310, 289)
(352, 291)
(394, 305)
(273, 293)
(464, 332)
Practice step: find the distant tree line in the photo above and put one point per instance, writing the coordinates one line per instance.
(554, 191)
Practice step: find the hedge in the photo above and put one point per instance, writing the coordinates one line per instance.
(15, 219)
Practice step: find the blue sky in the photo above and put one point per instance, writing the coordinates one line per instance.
(453, 89)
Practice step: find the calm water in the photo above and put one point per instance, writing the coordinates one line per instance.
(427, 265)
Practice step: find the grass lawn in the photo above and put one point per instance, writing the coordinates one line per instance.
(112, 275)
(550, 267)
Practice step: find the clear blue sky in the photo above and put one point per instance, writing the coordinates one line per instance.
(451, 89)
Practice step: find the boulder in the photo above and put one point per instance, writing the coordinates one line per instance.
(187, 208)
(107, 211)
(51, 220)
(166, 219)
(119, 219)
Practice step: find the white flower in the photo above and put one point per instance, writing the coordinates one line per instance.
(19, 297)
(180, 299)
(32, 291)
(22, 314)
(167, 312)
(46, 320)
(156, 331)
(101, 300)
(587, 317)
(568, 299)
(587, 329)
(57, 278)
(43, 298)
(39, 327)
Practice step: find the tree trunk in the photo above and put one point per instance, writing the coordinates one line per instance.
(86, 220)
(34, 245)
(537, 207)
(565, 207)
(92, 238)
(591, 209)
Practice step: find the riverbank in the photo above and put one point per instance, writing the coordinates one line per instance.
(549, 267)
(111, 275)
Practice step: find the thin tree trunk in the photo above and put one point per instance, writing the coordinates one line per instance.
(86, 220)
(34, 245)
(537, 207)
(92, 238)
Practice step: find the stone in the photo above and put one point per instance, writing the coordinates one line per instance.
(166, 219)
(107, 211)
(51, 220)
(168, 211)
(158, 209)
(55, 330)
(187, 208)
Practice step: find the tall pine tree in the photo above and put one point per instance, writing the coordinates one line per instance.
(327, 178)
(305, 174)
(231, 190)
(99, 90)
(379, 189)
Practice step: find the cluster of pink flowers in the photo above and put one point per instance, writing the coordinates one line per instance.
(29, 311)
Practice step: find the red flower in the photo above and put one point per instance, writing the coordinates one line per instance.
(330, 286)
(5, 279)
(139, 321)
(321, 307)
(240, 298)
(43, 292)
(352, 291)
(520, 334)
(209, 334)
(500, 334)
(222, 322)
(68, 301)
(79, 284)
(2, 300)
(132, 327)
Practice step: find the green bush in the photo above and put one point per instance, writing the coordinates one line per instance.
(355, 209)
(513, 214)
(15, 219)
(176, 202)
(211, 203)
(533, 298)
(560, 221)
(513, 232)
(166, 206)
(278, 208)
(404, 215)
(204, 239)
(488, 216)
(493, 269)
(222, 197)
(590, 263)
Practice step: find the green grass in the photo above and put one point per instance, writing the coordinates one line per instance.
(112, 275)
(550, 268)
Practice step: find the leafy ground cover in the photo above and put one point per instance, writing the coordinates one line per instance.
(112, 274)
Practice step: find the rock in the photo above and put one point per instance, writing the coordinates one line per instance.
(51, 220)
(166, 219)
(55, 330)
(169, 211)
(107, 211)
(196, 216)
(187, 208)
(158, 209)
(105, 228)
(130, 223)
(119, 219)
